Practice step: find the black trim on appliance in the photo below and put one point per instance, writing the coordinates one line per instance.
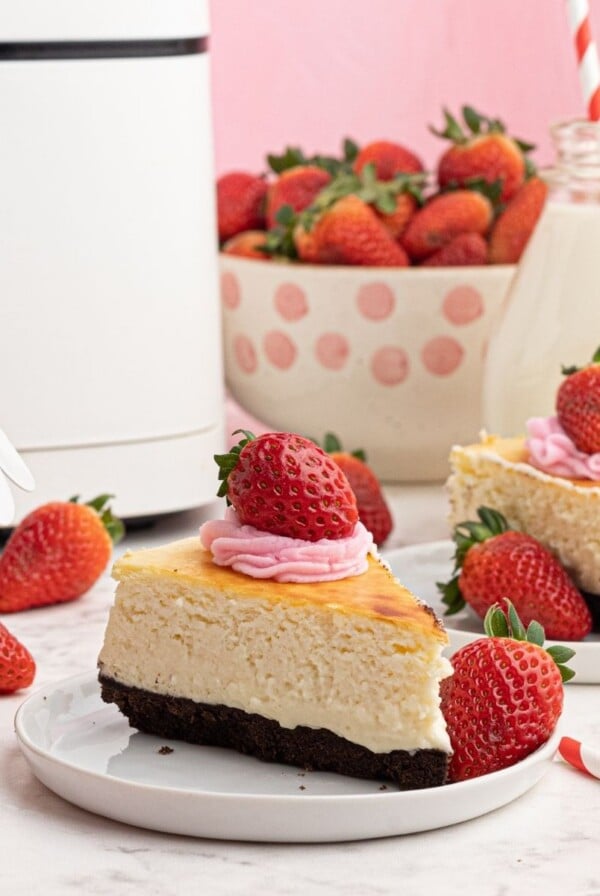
(102, 49)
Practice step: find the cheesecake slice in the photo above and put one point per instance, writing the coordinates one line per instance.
(340, 676)
(561, 513)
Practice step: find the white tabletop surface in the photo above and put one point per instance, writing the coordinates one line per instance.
(545, 842)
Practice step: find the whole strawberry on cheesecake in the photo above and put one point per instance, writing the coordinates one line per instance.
(279, 633)
(545, 483)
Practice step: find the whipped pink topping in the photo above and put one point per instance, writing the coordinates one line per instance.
(552, 451)
(265, 556)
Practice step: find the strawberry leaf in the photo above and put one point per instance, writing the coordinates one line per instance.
(567, 371)
(596, 356)
(351, 150)
(290, 158)
(495, 623)
(452, 130)
(473, 119)
(451, 596)
(524, 146)
(535, 633)
(331, 443)
(113, 525)
(227, 462)
(517, 629)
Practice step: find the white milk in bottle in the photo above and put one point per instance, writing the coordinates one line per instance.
(552, 313)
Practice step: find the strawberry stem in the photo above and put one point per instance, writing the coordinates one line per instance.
(501, 624)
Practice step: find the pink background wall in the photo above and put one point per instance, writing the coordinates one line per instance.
(311, 72)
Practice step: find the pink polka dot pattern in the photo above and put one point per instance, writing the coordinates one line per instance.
(375, 301)
(390, 365)
(463, 305)
(245, 354)
(332, 350)
(230, 290)
(290, 301)
(442, 355)
(279, 349)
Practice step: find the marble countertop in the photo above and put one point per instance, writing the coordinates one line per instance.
(544, 842)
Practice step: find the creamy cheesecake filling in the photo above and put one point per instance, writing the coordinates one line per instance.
(366, 680)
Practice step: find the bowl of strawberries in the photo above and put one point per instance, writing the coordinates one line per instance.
(359, 291)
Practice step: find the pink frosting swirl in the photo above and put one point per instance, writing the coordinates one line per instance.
(552, 451)
(265, 556)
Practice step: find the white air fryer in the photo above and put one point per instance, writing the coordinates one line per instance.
(110, 343)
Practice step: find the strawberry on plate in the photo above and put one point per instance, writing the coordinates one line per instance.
(57, 553)
(493, 561)
(484, 152)
(373, 510)
(17, 666)
(505, 697)
(578, 405)
(285, 484)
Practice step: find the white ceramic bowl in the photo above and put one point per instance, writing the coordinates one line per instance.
(391, 360)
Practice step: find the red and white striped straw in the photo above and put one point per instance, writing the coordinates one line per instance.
(587, 56)
(585, 758)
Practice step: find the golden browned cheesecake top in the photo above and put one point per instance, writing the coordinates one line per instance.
(514, 451)
(376, 594)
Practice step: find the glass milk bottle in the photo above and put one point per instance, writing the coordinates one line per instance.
(552, 311)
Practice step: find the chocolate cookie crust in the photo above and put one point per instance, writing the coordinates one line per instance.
(311, 748)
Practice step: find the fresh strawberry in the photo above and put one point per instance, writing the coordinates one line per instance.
(350, 233)
(397, 221)
(578, 405)
(492, 561)
(296, 187)
(389, 159)
(505, 696)
(17, 666)
(373, 510)
(240, 203)
(285, 484)
(486, 153)
(246, 244)
(515, 224)
(464, 249)
(56, 553)
(443, 218)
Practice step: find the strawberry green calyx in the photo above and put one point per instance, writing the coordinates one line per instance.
(227, 462)
(293, 157)
(501, 624)
(332, 445)
(113, 525)
(467, 534)
(477, 125)
(567, 371)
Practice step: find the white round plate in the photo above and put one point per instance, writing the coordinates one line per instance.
(420, 566)
(85, 751)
